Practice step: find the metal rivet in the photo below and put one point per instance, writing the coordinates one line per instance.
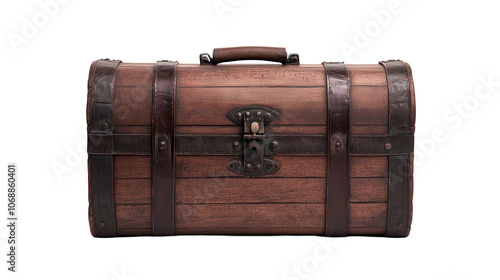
(259, 114)
(162, 145)
(400, 225)
(239, 115)
(236, 145)
(238, 165)
(249, 166)
(338, 145)
(259, 167)
(268, 115)
(274, 145)
(248, 114)
(104, 125)
(404, 127)
(101, 224)
(388, 146)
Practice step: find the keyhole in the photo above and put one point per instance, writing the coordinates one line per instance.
(254, 145)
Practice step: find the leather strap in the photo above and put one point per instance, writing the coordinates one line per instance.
(101, 166)
(119, 144)
(274, 144)
(163, 147)
(337, 79)
(400, 126)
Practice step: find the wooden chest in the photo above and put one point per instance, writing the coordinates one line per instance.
(277, 148)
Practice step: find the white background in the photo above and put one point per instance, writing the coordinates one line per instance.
(453, 48)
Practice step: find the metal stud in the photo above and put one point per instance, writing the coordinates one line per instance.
(249, 166)
(388, 146)
(247, 114)
(338, 145)
(259, 114)
(274, 145)
(239, 115)
(104, 125)
(162, 145)
(236, 145)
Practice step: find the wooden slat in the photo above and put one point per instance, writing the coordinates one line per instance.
(132, 167)
(134, 231)
(134, 76)
(244, 190)
(253, 231)
(369, 189)
(238, 129)
(250, 215)
(133, 216)
(132, 129)
(369, 129)
(250, 75)
(296, 105)
(364, 218)
(363, 215)
(129, 191)
(134, 64)
(367, 74)
(369, 166)
(369, 105)
(366, 231)
(215, 166)
(132, 106)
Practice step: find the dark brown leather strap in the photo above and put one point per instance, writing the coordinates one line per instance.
(400, 126)
(286, 144)
(101, 166)
(119, 144)
(337, 79)
(163, 147)
(101, 182)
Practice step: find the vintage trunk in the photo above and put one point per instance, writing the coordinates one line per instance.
(322, 149)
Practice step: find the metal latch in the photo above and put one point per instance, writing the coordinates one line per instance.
(253, 119)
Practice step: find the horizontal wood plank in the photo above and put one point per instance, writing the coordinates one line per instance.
(132, 106)
(132, 191)
(133, 216)
(132, 129)
(296, 105)
(371, 215)
(366, 166)
(250, 75)
(369, 105)
(357, 129)
(367, 74)
(250, 215)
(252, 231)
(135, 167)
(134, 231)
(366, 231)
(216, 166)
(255, 190)
(368, 189)
(134, 76)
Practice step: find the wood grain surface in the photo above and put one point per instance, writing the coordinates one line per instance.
(210, 199)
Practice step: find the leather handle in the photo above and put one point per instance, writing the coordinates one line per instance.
(249, 53)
